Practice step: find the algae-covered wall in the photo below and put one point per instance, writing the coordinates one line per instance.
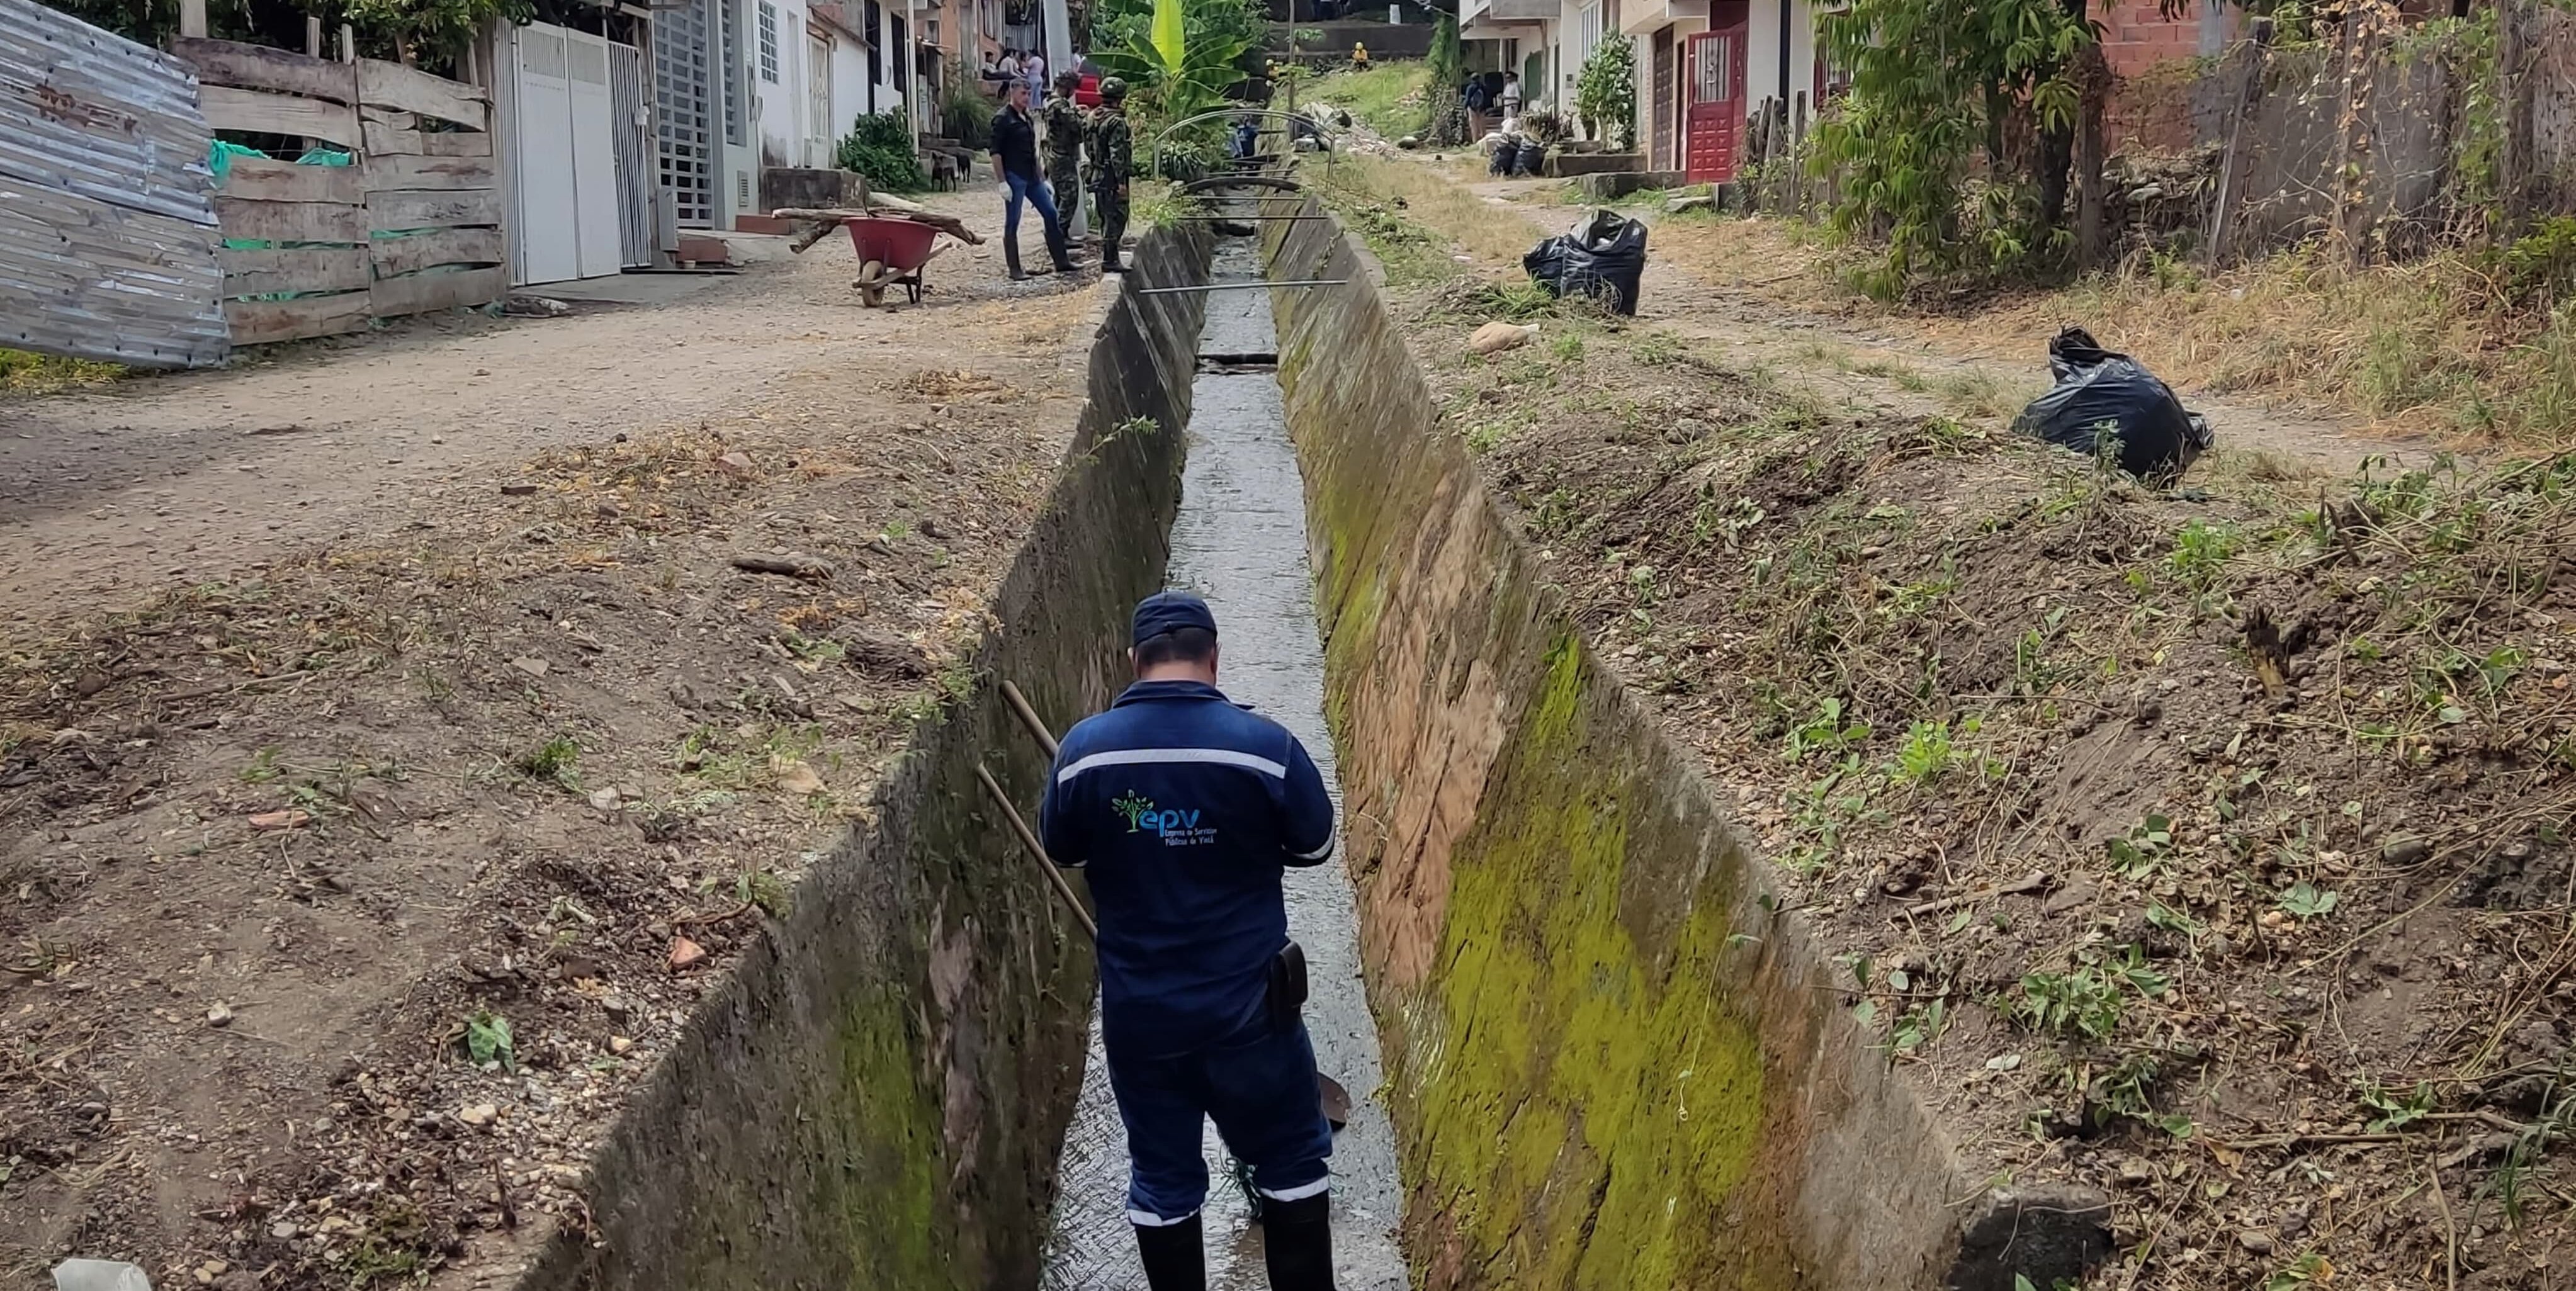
(1610, 1065)
(877, 1096)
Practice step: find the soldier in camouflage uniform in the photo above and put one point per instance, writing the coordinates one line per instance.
(1113, 163)
(1065, 127)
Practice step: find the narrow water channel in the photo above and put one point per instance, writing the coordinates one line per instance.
(1240, 541)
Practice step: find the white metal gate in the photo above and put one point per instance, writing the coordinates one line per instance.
(633, 126)
(685, 108)
(549, 235)
(594, 157)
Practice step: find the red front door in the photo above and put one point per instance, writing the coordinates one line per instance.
(1713, 121)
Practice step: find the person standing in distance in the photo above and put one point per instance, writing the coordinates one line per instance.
(1066, 124)
(1015, 156)
(1185, 810)
(1113, 163)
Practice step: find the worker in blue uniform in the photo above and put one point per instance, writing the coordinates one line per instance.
(1184, 810)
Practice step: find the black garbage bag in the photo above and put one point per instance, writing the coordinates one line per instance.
(1504, 154)
(1603, 257)
(1530, 158)
(2103, 392)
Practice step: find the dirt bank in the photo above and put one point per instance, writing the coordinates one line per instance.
(349, 879)
(2206, 848)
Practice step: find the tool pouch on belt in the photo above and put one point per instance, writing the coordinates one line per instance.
(1287, 984)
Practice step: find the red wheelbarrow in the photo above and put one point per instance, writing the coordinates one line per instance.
(891, 253)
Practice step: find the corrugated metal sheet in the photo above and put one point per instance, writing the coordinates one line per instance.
(107, 236)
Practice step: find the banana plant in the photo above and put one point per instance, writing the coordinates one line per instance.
(1185, 67)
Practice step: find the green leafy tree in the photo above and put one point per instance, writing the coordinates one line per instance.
(1448, 63)
(441, 26)
(879, 146)
(1932, 83)
(1181, 55)
(1605, 91)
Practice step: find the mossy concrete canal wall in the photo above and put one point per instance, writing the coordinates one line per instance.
(1610, 1065)
(875, 1098)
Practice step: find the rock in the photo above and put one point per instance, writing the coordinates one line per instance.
(738, 464)
(1498, 336)
(534, 667)
(620, 1044)
(799, 779)
(1691, 202)
(221, 1015)
(2255, 1243)
(933, 530)
(284, 1230)
(288, 819)
(686, 953)
(2074, 896)
(618, 1006)
(2405, 851)
(478, 1115)
(604, 799)
(100, 1275)
(520, 304)
(1408, 142)
(517, 490)
(2047, 1234)
(2136, 1173)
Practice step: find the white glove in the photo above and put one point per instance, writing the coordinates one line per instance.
(1004, 189)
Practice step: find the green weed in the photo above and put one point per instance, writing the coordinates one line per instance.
(554, 762)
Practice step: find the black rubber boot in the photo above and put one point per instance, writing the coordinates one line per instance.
(1297, 1242)
(1011, 256)
(1173, 1258)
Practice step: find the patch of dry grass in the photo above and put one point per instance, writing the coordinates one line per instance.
(2424, 347)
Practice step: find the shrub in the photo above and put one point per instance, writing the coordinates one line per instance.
(880, 147)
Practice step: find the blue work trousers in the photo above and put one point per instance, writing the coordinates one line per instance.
(1258, 1085)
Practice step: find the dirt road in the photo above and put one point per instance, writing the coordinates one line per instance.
(397, 737)
(105, 494)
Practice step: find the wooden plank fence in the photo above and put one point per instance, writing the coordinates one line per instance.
(414, 225)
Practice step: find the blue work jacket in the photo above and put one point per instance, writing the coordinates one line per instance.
(1184, 809)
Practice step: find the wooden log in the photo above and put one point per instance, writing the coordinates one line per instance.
(262, 322)
(397, 256)
(260, 272)
(392, 85)
(2256, 51)
(384, 138)
(235, 65)
(257, 112)
(419, 293)
(258, 221)
(417, 209)
(284, 181)
(400, 170)
(948, 224)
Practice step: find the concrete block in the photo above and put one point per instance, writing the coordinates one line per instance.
(1610, 186)
(1565, 165)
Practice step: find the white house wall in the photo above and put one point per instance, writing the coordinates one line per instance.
(781, 101)
(1762, 52)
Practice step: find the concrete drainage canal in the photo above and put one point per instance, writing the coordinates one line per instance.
(1609, 1061)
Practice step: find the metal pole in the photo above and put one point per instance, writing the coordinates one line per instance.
(1038, 851)
(1028, 717)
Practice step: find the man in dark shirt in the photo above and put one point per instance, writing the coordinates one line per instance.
(1015, 155)
(1184, 810)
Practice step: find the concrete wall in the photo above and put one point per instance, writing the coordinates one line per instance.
(877, 1096)
(1609, 1065)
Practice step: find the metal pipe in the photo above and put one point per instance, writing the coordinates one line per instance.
(1037, 850)
(1243, 286)
(1029, 717)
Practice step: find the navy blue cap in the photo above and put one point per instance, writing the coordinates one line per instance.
(1170, 612)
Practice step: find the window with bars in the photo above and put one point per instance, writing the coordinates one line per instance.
(768, 42)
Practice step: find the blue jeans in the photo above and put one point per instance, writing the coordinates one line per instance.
(1258, 1085)
(1035, 192)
